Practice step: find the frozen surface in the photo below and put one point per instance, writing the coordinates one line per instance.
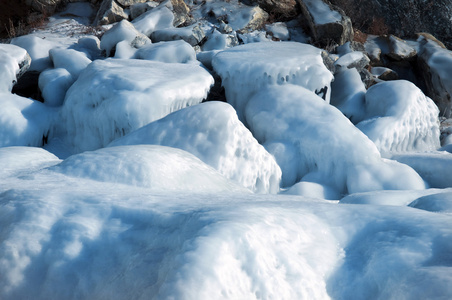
(212, 132)
(278, 30)
(23, 160)
(246, 69)
(320, 144)
(24, 122)
(123, 31)
(11, 57)
(441, 202)
(321, 12)
(400, 118)
(71, 60)
(157, 18)
(391, 198)
(113, 97)
(170, 52)
(158, 168)
(54, 84)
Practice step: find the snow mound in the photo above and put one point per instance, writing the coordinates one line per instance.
(400, 118)
(169, 52)
(392, 198)
(434, 167)
(212, 132)
(24, 159)
(24, 122)
(441, 202)
(11, 58)
(113, 97)
(247, 69)
(156, 167)
(313, 190)
(320, 144)
(54, 84)
(157, 18)
(71, 60)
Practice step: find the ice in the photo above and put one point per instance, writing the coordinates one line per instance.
(247, 69)
(219, 41)
(400, 118)
(434, 167)
(24, 122)
(347, 59)
(11, 57)
(320, 144)
(71, 60)
(278, 30)
(313, 190)
(54, 84)
(157, 18)
(15, 160)
(170, 52)
(212, 132)
(113, 97)
(392, 198)
(158, 168)
(321, 12)
(441, 202)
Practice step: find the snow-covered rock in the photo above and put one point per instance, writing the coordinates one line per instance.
(400, 118)
(192, 34)
(345, 159)
(441, 202)
(160, 17)
(110, 12)
(212, 132)
(247, 69)
(170, 52)
(71, 60)
(54, 84)
(14, 62)
(155, 167)
(113, 97)
(219, 41)
(24, 122)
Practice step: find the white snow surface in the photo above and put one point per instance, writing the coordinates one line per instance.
(157, 18)
(345, 159)
(123, 31)
(10, 58)
(54, 84)
(322, 13)
(400, 118)
(113, 97)
(247, 69)
(212, 132)
(71, 60)
(170, 52)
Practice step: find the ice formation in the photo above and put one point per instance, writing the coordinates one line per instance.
(247, 69)
(170, 52)
(345, 159)
(400, 118)
(157, 18)
(11, 57)
(71, 60)
(123, 31)
(212, 132)
(113, 97)
(54, 84)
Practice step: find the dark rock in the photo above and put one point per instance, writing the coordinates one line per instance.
(278, 9)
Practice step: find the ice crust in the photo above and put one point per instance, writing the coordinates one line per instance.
(10, 58)
(212, 132)
(54, 84)
(345, 159)
(113, 97)
(247, 69)
(400, 118)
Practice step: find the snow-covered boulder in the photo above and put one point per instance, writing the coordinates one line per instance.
(158, 168)
(113, 97)
(23, 122)
(400, 118)
(284, 8)
(440, 202)
(212, 132)
(247, 69)
(170, 52)
(160, 17)
(14, 62)
(71, 60)
(313, 141)
(219, 41)
(192, 34)
(54, 84)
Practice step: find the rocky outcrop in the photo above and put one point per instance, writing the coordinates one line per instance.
(110, 12)
(279, 9)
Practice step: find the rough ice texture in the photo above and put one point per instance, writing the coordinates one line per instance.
(212, 132)
(155, 167)
(11, 57)
(170, 52)
(320, 144)
(434, 167)
(400, 118)
(23, 122)
(122, 31)
(54, 84)
(246, 69)
(158, 18)
(113, 97)
(23, 160)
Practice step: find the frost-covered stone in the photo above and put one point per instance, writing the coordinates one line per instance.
(138, 9)
(110, 12)
(192, 34)
(345, 159)
(357, 60)
(212, 132)
(284, 9)
(23, 122)
(54, 84)
(170, 52)
(71, 60)
(157, 168)
(14, 62)
(247, 69)
(400, 118)
(219, 41)
(114, 97)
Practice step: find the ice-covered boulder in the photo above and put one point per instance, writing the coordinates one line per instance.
(247, 69)
(18, 160)
(313, 141)
(212, 132)
(113, 97)
(14, 62)
(170, 52)
(440, 202)
(71, 60)
(158, 168)
(23, 122)
(54, 84)
(400, 118)
(160, 17)
(192, 34)
(284, 9)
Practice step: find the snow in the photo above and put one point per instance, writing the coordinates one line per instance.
(169, 52)
(345, 159)
(24, 122)
(278, 30)
(123, 31)
(212, 132)
(347, 59)
(157, 18)
(441, 202)
(10, 58)
(54, 84)
(247, 69)
(321, 12)
(71, 60)
(400, 118)
(125, 95)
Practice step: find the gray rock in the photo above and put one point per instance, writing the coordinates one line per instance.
(127, 3)
(259, 17)
(279, 9)
(193, 35)
(44, 6)
(137, 10)
(181, 12)
(110, 12)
